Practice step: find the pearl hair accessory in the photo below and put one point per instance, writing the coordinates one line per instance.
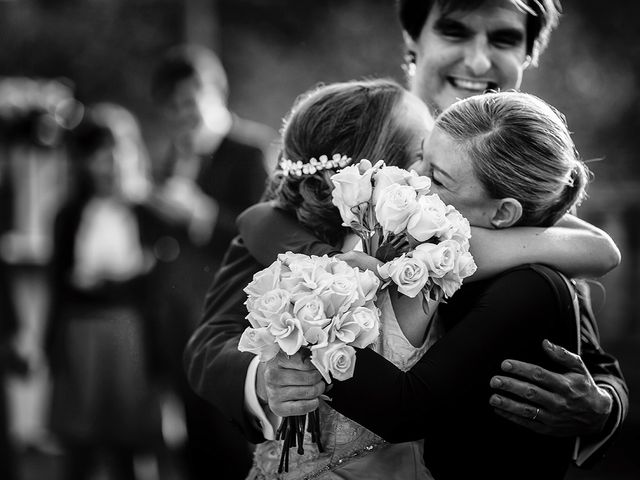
(323, 163)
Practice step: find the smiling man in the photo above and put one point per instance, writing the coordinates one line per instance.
(460, 48)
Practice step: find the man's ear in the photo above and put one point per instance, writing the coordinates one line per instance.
(508, 212)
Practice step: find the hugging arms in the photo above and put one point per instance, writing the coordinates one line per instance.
(215, 365)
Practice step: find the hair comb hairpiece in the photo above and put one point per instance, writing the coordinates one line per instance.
(322, 163)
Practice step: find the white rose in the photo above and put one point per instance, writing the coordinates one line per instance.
(289, 258)
(317, 336)
(309, 309)
(340, 294)
(288, 333)
(272, 304)
(429, 219)
(343, 328)
(385, 176)
(351, 188)
(465, 265)
(305, 278)
(460, 230)
(369, 321)
(335, 360)
(395, 206)
(421, 184)
(368, 284)
(449, 283)
(265, 280)
(408, 273)
(259, 342)
(439, 258)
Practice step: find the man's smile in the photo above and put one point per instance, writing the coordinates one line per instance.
(472, 85)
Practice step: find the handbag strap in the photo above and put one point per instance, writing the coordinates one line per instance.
(576, 310)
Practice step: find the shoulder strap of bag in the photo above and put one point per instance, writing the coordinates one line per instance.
(576, 310)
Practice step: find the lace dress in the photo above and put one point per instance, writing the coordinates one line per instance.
(351, 451)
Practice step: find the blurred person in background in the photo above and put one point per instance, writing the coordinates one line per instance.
(11, 363)
(104, 359)
(214, 168)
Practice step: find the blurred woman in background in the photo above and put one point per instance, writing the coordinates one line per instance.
(105, 405)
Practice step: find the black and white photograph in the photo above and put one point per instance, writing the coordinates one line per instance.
(319, 240)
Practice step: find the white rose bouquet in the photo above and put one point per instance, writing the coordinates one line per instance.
(388, 207)
(320, 306)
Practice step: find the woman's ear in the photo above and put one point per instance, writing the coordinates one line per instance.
(409, 65)
(507, 213)
(409, 43)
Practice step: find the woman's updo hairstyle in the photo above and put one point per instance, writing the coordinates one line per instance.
(521, 148)
(358, 119)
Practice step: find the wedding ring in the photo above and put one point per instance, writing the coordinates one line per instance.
(535, 415)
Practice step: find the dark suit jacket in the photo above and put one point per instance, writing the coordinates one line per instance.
(215, 368)
(234, 176)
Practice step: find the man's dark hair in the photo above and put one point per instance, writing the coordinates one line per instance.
(185, 62)
(542, 17)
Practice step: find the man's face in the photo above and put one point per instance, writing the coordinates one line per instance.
(467, 52)
(183, 109)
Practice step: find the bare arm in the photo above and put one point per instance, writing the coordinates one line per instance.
(573, 246)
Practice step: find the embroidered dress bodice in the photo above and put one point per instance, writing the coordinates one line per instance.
(351, 451)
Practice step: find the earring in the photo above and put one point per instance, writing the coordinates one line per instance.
(409, 65)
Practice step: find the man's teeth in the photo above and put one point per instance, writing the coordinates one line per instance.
(469, 84)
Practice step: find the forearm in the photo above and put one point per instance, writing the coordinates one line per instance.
(572, 246)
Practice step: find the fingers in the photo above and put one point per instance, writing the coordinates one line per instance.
(529, 416)
(527, 423)
(294, 362)
(276, 376)
(295, 398)
(527, 392)
(522, 410)
(562, 356)
(292, 388)
(533, 374)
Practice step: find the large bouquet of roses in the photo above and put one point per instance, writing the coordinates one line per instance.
(424, 242)
(318, 305)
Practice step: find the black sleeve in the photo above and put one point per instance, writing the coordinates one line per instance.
(512, 317)
(215, 368)
(268, 231)
(247, 190)
(604, 368)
